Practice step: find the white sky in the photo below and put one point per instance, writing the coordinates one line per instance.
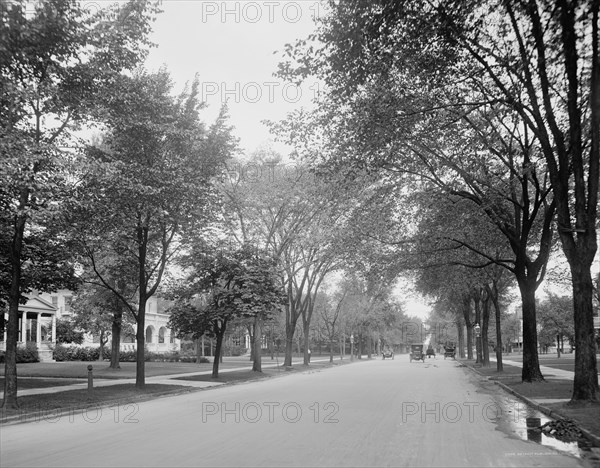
(231, 45)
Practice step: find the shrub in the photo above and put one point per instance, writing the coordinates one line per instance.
(127, 356)
(28, 353)
(78, 353)
(234, 350)
(172, 356)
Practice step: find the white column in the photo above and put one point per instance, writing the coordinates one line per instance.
(23, 327)
(5, 326)
(38, 330)
(54, 328)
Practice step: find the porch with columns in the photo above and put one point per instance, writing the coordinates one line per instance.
(37, 324)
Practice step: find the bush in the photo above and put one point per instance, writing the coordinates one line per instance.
(127, 356)
(29, 353)
(78, 353)
(234, 350)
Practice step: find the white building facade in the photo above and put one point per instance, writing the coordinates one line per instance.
(37, 324)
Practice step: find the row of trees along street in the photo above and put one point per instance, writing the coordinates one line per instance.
(492, 114)
(453, 144)
(116, 190)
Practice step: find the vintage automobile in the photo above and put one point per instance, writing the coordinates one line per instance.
(387, 353)
(430, 352)
(449, 351)
(416, 353)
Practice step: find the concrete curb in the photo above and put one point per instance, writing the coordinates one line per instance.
(539, 407)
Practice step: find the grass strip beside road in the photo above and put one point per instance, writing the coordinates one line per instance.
(51, 406)
(28, 383)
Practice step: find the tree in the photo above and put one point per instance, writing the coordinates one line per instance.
(297, 218)
(222, 288)
(148, 184)
(96, 310)
(67, 332)
(539, 61)
(54, 59)
(329, 316)
(96, 296)
(556, 320)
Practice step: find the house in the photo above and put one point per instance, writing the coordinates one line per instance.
(37, 323)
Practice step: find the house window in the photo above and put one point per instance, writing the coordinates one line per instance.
(161, 334)
(68, 300)
(55, 301)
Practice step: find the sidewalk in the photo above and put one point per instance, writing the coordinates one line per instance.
(586, 418)
(170, 379)
(547, 372)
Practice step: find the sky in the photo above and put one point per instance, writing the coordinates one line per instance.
(232, 46)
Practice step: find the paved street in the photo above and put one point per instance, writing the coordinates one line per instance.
(372, 413)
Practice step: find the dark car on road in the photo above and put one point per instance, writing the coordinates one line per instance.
(388, 353)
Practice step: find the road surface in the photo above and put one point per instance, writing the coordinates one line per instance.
(370, 413)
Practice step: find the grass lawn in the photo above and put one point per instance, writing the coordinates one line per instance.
(49, 406)
(101, 369)
(26, 383)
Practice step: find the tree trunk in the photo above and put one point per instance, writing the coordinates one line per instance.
(478, 338)
(115, 347)
(485, 322)
(331, 342)
(250, 329)
(198, 350)
(306, 333)
(12, 329)
(585, 383)
(466, 309)
(218, 353)
(289, 345)
(531, 366)
(460, 333)
(499, 365)
(140, 339)
(102, 343)
(256, 345)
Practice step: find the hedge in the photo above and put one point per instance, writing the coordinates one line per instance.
(78, 353)
(27, 353)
